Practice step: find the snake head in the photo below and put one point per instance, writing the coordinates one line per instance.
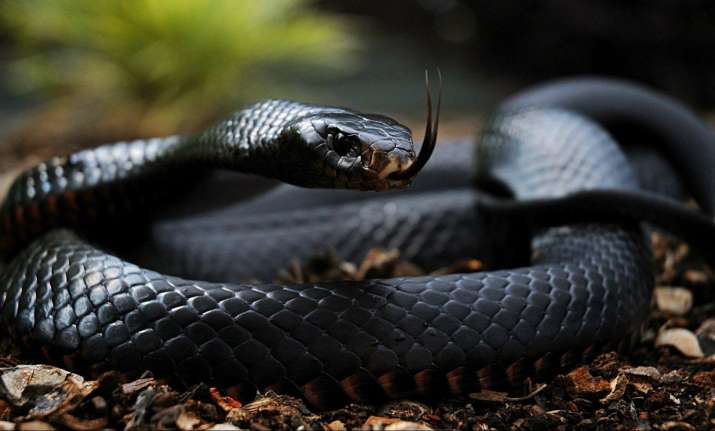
(341, 148)
(351, 150)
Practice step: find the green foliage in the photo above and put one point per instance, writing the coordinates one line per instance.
(176, 61)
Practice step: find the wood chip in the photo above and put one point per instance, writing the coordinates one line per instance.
(696, 277)
(48, 390)
(677, 426)
(137, 385)
(378, 261)
(580, 383)
(225, 402)
(706, 329)
(490, 396)
(187, 421)
(224, 427)
(378, 422)
(642, 379)
(704, 379)
(673, 300)
(35, 426)
(407, 426)
(76, 424)
(392, 424)
(682, 339)
(336, 426)
(618, 389)
(651, 373)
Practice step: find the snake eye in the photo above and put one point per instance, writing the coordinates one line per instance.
(344, 145)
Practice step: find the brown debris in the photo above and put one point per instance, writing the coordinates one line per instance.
(490, 396)
(694, 276)
(336, 426)
(74, 423)
(137, 385)
(501, 397)
(377, 263)
(643, 379)
(225, 402)
(392, 424)
(580, 383)
(35, 426)
(674, 300)
(705, 379)
(682, 339)
(187, 421)
(407, 426)
(464, 265)
(618, 389)
(140, 409)
(48, 390)
(676, 426)
(646, 373)
(706, 329)
(271, 411)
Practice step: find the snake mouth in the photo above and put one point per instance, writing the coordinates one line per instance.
(430, 139)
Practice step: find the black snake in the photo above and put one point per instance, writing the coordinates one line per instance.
(543, 161)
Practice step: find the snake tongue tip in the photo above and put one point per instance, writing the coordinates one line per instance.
(430, 138)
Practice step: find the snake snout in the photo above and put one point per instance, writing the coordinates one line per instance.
(388, 156)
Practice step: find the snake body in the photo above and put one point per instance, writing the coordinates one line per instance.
(586, 287)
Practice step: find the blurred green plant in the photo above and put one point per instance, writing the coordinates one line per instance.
(167, 65)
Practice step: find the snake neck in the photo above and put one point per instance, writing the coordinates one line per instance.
(247, 140)
(109, 183)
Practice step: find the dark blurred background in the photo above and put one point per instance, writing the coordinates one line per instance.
(80, 72)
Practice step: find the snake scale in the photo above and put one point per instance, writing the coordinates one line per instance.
(579, 286)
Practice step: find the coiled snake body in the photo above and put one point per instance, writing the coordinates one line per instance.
(586, 288)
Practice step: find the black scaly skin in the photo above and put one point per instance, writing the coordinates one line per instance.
(276, 138)
(588, 288)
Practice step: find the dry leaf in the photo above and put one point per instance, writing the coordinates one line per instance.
(74, 423)
(642, 387)
(378, 261)
(225, 402)
(677, 425)
(336, 426)
(641, 378)
(696, 277)
(35, 426)
(224, 427)
(466, 265)
(378, 422)
(580, 383)
(49, 390)
(272, 404)
(407, 426)
(673, 300)
(682, 339)
(706, 329)
(140, 411)
(137, 385)
(487, 395)
(618, 389)
(704, 378)
(651, 373)
(500, 397)
(187, 421)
